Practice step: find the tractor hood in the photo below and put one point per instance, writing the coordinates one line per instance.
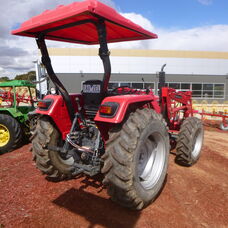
(75, 23)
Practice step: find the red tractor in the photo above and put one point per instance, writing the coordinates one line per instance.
(126, 134)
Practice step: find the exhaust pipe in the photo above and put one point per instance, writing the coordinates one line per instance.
(161, 81)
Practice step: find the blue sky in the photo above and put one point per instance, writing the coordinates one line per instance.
(178, 13)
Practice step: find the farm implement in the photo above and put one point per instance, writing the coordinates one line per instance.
(16, 101)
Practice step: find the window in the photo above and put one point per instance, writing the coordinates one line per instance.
(200, 90)
(137, 85)
(113, 85)
(128, 84)
(196, 86)
(148, 85)
(23, 96)
(174, 85)
(219, 94)
(197, 89)
(207, 87)
(6, 96)
(219, 90)
(208, 90)
(196, 93)
(134, 85)
(185, 86)
(219, 87)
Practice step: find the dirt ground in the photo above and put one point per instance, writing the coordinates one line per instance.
(192, 197)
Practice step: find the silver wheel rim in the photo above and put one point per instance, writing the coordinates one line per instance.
(222, 127)
(151, 161)
(69, 161)
(198, 143)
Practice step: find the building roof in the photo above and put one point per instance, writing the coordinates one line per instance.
(65, 17)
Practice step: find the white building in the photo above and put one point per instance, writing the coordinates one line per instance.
(203, 72)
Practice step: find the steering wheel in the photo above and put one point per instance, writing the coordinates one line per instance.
(121, 88)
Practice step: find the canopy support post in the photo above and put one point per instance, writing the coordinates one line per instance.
(104, 54)
(47, 63)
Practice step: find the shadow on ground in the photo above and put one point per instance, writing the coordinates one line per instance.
(97, 210)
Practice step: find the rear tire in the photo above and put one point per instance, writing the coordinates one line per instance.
(136, 159)
(10, 133)
(189, 142)
(47, 161)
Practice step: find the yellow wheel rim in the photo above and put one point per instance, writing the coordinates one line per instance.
(4, 135)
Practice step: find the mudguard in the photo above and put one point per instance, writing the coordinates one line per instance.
(10, 111)
(20, 117)
(58, 111)
(124, 101)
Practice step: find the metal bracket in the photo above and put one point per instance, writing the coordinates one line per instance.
(47, 63)
(104, 53)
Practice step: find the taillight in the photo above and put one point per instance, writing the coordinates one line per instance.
(41, 104)
(44, 104)
(108, 109)
(105, 109)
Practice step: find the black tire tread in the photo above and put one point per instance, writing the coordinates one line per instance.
(17, 132)
(46, 134)
(185, 141)
(119, 155)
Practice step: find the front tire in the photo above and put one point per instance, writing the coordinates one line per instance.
(10, 133)
(189, 142)
(47, 161)
(136, 159)
(222, 127)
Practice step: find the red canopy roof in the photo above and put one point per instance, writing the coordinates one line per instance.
(118, 27)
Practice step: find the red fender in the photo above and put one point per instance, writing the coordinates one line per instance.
(124, 101)
(58, 112)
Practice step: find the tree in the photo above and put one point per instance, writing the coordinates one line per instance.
(30, 76)
(2, 79)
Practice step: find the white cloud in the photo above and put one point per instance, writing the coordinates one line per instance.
(17, 53)
(143, 22)
(205, 2)
(206, 38)
(4, 72)
(140, 20)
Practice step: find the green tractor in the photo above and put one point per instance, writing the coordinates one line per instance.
(17, 99)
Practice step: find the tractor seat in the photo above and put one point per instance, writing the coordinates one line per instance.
(92, 97)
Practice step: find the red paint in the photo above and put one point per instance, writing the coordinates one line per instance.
(58, 112)
(177, 105)
(124, 102)
(223, 115)
(118, 27)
